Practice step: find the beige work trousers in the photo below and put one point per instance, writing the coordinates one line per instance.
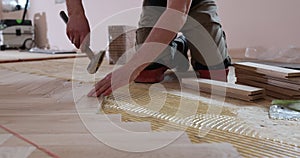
(203, 31)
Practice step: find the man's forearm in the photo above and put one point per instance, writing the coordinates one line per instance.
(164, 31)
(74, 7)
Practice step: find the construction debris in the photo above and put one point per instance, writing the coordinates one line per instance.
(285, 110)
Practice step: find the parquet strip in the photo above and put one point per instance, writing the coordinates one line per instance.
(268, 69)
(237, 91)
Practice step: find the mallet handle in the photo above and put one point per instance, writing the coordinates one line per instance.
(64, 16)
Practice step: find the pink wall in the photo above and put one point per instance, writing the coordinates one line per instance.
(247, 23)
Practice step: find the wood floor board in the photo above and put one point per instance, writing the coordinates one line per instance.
(235, 95)
(36, 83)
(48, 87)
(234, 88)
(268, 69)
(2, 131)
(270, 82)
(7, 91)
(62, 124)
(44, 110)
(237, 91)
(39, 154)
(15, 141)
(288, 92)
(174, 151)
(243, 73)
(9, 77)
(103, 124)
(44, 124)
(16, 152)
(73, 140)
(24, 81)
(4, 138)
(12, 56)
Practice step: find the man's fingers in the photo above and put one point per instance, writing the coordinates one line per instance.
(76, 41)
(107, 92)
(105, 80)
(101, 90)
(90, 94)
(97, 92)
(101, 87)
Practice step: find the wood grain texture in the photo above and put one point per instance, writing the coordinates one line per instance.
(16, 152)
(268, 69)
(237, 91)
(48, 116)
(16, 56)
(281, 83)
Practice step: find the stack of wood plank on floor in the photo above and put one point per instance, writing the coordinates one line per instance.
(226, 89)
(279, 82)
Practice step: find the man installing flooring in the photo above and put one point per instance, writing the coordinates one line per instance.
(157, 36)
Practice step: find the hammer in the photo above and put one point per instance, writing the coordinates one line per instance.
(95, 59)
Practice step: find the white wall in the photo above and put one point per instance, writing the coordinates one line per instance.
(96, 10)
(268, 23)
(246, 22)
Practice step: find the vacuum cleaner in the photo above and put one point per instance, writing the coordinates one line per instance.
(16, 33)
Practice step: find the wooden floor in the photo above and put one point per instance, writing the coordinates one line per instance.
(44, 112)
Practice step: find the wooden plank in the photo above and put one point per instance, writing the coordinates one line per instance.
(286, 91)
(222, 86)
(4, 137)
(280, 95)
(8, 77)
(16, 152)
(279, 90)
(236, 96)
(172, 151)
(243, 72)
(236, 91)
(233, 95)
(21, 80)
(36, 83)
(275, 94)
(47, 87)
(270, 81)
(69, 139)
(44, 124)
(269, 70)
(39, 154)
(16, 56)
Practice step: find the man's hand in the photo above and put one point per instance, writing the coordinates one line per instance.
(77, 29)
(114, 80)
(164, 31)
(78, 26)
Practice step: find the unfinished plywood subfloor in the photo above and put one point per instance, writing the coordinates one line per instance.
(59, 113)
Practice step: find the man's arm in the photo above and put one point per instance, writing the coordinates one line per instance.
(77, 27)
(164, 31)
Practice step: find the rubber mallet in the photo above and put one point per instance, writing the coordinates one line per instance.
(95, 59)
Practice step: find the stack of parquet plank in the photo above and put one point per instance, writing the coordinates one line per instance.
(121, 39)
(279, 82)
(237, 91)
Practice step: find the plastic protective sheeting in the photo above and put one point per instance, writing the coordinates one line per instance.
(289, 54)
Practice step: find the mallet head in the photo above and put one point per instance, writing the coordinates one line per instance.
(96, 62)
